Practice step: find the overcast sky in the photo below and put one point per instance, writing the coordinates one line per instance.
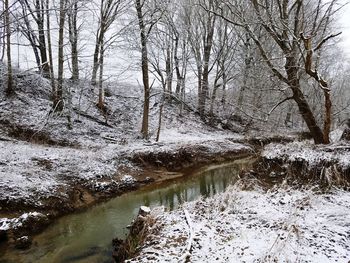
(345, 23)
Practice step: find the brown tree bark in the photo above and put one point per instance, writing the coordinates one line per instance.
(144, 65)
(59, 103)
(303, 106)
(321, 82)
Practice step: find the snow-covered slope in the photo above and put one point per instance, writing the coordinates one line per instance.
(46, 164)
(278, 225)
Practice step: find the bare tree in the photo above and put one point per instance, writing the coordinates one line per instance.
(73, 30)
(10, 90)
(49, 47)
(2, 34)
(225, 46)
(145, 30)
(58, 101)
(284, 22)
(27, 30)
(36, 10)
(201, 26)
(176, 19)
(109, 10)
(144, 61)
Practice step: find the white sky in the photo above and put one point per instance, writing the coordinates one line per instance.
(345, 24)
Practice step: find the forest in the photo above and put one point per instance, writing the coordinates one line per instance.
(214, 129)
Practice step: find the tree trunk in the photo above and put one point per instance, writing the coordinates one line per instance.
(160, 118)
(73, 39)
(101, 92)
(95, 63)
(304, 108)
(10, 87)
(200, 83)
(177, 67)
(246, 71)
(328, 116)
(95, 58)
(99, 38)
(3, 36)
(215, 89)
(49, 46)
(45, 67)
(30, 35)
(145, 76)
(213, 98)
(36, 53)
(168, 70)
(208, 43)
(58, 105)
(224, 82)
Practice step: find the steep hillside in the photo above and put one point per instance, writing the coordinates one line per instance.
(55, 163)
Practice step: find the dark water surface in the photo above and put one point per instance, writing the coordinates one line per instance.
(87, 236)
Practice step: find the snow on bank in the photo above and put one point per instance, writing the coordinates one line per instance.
(27, 170)
(307, 151)
(26, 218)
(280, 225)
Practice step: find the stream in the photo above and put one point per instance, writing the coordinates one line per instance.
(87, 236)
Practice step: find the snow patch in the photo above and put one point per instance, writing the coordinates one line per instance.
(128, 179)
(7, 223)
(306, 151)
(280, 225)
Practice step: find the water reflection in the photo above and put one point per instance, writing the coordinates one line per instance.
(86, 237)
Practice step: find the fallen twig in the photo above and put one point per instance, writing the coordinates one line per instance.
(187, 252)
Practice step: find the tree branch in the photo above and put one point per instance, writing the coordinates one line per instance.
(325, 40)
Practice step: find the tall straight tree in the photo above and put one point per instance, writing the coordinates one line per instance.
(2, 35)
(144, 66)
(49, 49)
(201, 26)
(58, 101)
(73, 38)
(10, 86)
(145, 30)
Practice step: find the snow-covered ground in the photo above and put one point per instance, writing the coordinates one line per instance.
(313, 155)
(43, 161)
(29, 171)
(278, 225)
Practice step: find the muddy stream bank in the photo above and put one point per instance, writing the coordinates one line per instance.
(86, 236)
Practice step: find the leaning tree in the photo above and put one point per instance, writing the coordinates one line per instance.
(299, 30)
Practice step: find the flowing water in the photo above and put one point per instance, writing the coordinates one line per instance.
(86, 236)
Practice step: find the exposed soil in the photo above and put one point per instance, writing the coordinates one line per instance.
(52, 169)
(265, 174)
(303, 164)
(148, 168)
(299, 172)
